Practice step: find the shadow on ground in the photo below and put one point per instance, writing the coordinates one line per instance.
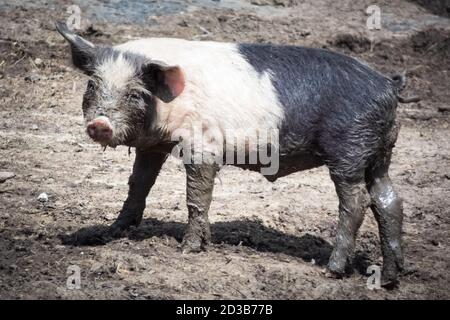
(246, 233)
(439, 7)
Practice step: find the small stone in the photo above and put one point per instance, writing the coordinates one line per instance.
(183, 24)
(261, 2)
(444, 108)
(38, 62)
(43, 197)
(6, 176)
(32, 77)
(222, 18)
(34, 127)
(12, 267)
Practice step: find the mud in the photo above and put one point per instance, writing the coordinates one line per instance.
(269, 240)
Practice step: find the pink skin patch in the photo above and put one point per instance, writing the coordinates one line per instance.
(100, 129)
(174, 79)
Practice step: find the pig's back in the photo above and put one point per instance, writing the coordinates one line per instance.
(324, 95)
(298, 90)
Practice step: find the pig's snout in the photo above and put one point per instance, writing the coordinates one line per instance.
(100, 129)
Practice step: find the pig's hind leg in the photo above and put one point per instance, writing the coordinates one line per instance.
(145, 171)
(349, 145)
(199, 188)
(387, 208)
(353, 203)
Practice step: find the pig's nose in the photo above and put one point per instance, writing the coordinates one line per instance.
(99, 130)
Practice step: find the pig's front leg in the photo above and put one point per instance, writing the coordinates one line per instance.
(145, 170)
(199, 188)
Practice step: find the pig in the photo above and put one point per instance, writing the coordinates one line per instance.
(328, 109)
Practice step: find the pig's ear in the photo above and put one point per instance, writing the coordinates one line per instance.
(165, 82)
(83, 51)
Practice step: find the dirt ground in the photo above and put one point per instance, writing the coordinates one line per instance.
(270, 240)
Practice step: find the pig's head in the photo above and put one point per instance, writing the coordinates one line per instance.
(120, 99)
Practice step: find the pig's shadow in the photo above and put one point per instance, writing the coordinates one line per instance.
(246, 233)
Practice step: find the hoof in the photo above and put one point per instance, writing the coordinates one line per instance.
(118, 228)
(192, 246)
(389, 279)
(116, 231)
(390, 284)
(188, 248)
(193, 243)
(332, 274)
(337, 267)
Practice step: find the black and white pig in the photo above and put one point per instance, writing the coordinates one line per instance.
(327, 108)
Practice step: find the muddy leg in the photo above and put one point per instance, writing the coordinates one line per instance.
(199, 187)
(145, 170)
(353, 202)
(388, 210)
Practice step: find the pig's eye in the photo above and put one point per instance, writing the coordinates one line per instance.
(91, 85)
